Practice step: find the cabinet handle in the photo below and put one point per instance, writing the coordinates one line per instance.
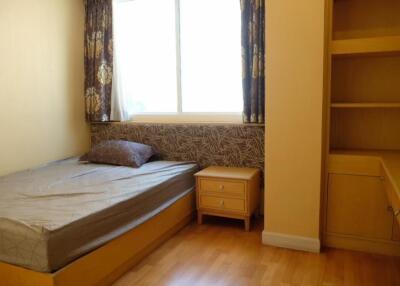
(221, 203)
(221, 187)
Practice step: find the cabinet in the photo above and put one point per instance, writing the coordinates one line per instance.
(358, 212)
(228, 192)
(363, 124)
(357, 206)
(396, 232)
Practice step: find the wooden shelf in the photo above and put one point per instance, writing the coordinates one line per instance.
(365, 105)
(380, 45)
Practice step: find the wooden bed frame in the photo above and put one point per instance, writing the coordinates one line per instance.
(107, 263)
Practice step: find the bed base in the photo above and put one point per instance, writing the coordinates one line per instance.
(107, 263)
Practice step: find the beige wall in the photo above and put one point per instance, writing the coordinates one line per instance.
(295, 56)
(41, 82)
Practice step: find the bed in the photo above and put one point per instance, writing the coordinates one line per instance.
(58, 220)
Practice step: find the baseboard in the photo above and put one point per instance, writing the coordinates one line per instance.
(376, 246)
(291, 241)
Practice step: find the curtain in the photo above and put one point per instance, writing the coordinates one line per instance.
(98, 59)
(253, 38)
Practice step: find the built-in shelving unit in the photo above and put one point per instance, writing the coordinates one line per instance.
(364, 124)
(364, 53)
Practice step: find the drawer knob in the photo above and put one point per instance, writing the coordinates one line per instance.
(221, 203)
(221, 187)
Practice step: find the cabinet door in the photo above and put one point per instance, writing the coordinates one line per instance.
(357, 206)
(396, 231)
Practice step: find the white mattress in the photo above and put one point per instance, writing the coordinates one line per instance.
(52, 215)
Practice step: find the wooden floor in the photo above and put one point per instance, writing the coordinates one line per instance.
(221, 253)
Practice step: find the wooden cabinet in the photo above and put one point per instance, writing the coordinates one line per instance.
(391, 188)
(358, 211)
(228, 192)
(362, 126)
(396, 231)
(357, 206)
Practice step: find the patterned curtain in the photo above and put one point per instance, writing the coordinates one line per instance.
(98, 59)
(253, 38)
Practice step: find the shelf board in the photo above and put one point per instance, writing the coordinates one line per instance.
(365, 105)
(379, 45)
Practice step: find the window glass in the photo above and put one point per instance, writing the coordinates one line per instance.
(211, 56)
(144, 32)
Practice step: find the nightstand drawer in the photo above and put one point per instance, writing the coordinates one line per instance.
(223, 187)
(222, 203)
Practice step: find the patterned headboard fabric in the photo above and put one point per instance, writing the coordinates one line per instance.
(235, 145)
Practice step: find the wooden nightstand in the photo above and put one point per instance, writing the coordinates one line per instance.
(228, 192)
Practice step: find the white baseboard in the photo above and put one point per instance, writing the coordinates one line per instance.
(291, 241)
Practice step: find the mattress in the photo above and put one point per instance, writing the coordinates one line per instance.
(54, 214)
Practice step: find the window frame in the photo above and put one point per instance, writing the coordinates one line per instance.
(180, 116)
(189, 117)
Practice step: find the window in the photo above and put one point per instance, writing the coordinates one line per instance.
(179, 56)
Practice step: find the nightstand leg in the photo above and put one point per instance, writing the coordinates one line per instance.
(247, 223)
(199, 218)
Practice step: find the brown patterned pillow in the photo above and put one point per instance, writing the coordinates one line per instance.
(119, 152)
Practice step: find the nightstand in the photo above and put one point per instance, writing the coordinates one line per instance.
(228, 192)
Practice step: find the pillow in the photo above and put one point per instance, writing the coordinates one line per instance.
(119, 152)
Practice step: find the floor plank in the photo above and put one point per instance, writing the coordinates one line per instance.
(219, 252)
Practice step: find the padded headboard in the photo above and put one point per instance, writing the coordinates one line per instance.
(235, 145)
